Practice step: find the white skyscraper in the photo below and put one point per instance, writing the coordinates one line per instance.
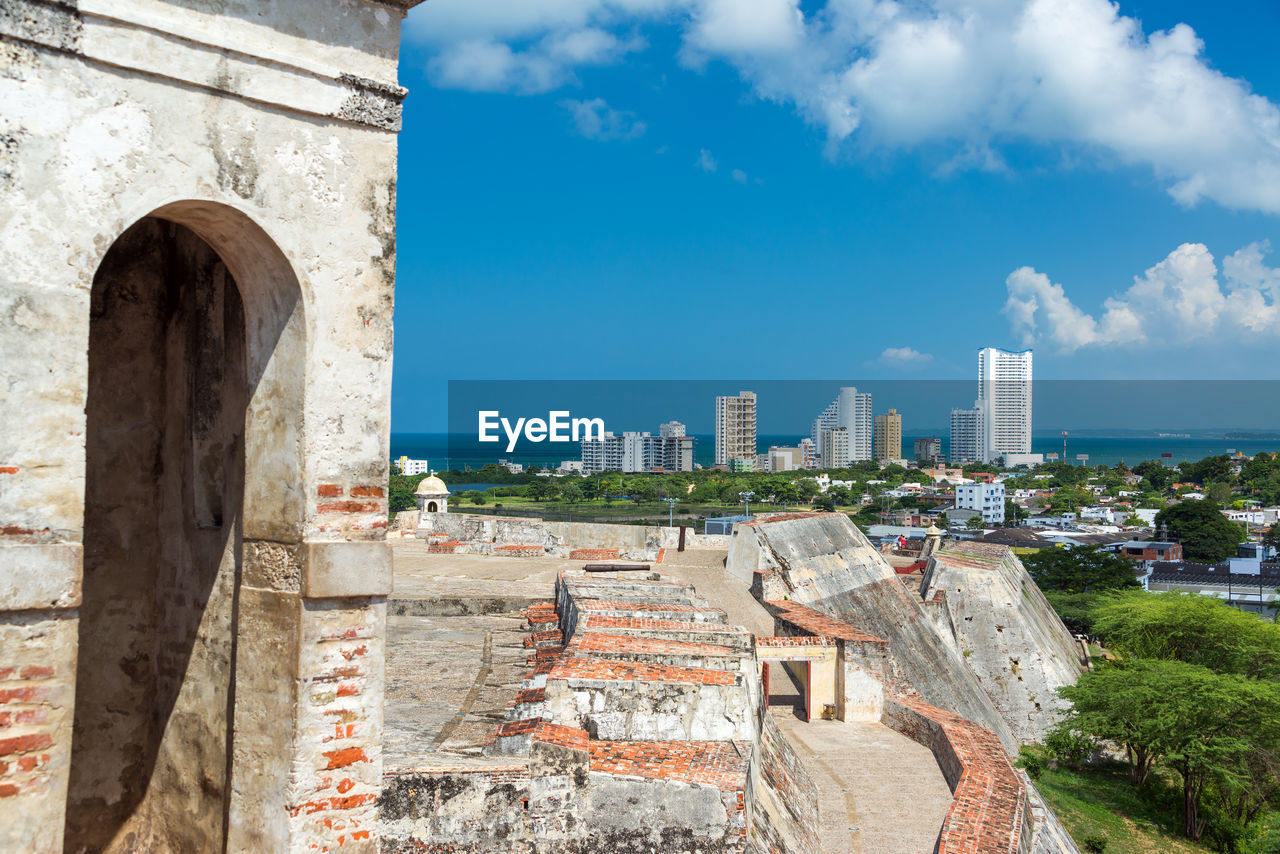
(1004, 397)
(851, 410)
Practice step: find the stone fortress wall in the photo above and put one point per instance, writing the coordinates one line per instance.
(197, 259)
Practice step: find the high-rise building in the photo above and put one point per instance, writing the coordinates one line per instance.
(967, 441)
(736, 428)
(1004, 395)
(888, 436)
(808, 454)
(928, 450)
(677, 452)
(834, 442)
(850, 410)
(671, 430)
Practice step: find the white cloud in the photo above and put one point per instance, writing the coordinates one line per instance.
(706, 161)
(739, 176)
(595, 119)
(1181, 299)
(905, 357)
(970, 75)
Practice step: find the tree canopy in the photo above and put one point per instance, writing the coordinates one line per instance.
(1189, 628)
(1206, 535)
(1082, 569)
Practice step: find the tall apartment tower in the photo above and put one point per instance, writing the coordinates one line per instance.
(1004, 395)
(835, 448)
(888, 437)
(735, 427)
(851, 410)
(671, 429)
(967, 440)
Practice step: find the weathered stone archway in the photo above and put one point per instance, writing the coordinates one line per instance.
(178, 421)
(239, 474)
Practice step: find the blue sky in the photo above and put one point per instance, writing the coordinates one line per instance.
(705, 189)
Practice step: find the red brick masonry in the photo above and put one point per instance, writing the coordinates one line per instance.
(607, 670)
(593, 554)
(816, 623)
(592, 642)
(713, 763)
(988, 813)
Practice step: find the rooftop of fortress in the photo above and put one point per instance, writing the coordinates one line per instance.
(526, 695)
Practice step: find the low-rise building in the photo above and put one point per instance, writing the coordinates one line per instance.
(985, 498)
(1155, 550)
(410, 467)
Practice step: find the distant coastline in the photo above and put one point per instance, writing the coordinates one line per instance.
(1131, 447)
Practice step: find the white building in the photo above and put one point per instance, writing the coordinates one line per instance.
(835, 448)
(1004, 398)
(809, 454)
(637, 452)
(986, 498)
(736, 427)
(851, 410)
(407, 466)
(671, 430)
(967, 440)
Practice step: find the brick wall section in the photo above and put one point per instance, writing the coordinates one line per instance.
(722, 764)
(800, 641)
(593, 554)
(565, 736)
(337, 764)
(605, 670)
(519, 551)
(610, 606)
(26, 737)
(988, 813)
(814, 622)
(592, 642)
(600, 622)
(447, 547)
(544, 638)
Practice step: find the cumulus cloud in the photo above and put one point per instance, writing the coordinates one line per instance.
(739, 176)
(706, 161)
(971, 75)
(595, 119)
(1182, 298)
(905, 357)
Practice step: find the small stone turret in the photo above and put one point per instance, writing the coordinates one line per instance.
(432, 495)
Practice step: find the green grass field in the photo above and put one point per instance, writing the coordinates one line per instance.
(1102, 803)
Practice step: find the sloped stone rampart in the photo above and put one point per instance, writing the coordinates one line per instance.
(822, 561)
(1005, 630)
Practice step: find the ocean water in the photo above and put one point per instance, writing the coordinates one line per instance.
(446, 451)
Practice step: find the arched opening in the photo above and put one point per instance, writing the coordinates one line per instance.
(431, 507)
(193, 409)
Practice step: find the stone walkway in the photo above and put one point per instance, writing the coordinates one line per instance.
(874, 779)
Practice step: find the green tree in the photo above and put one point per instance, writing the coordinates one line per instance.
(1206, 535)
(1214, 729)
(976, 523)
(476, 498)
(1014, 513)
(1271, 538)
(1190, 628)
(1081, 569)
(571, 492)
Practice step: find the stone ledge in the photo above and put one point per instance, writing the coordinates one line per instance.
(36, 576)
(340, 570)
